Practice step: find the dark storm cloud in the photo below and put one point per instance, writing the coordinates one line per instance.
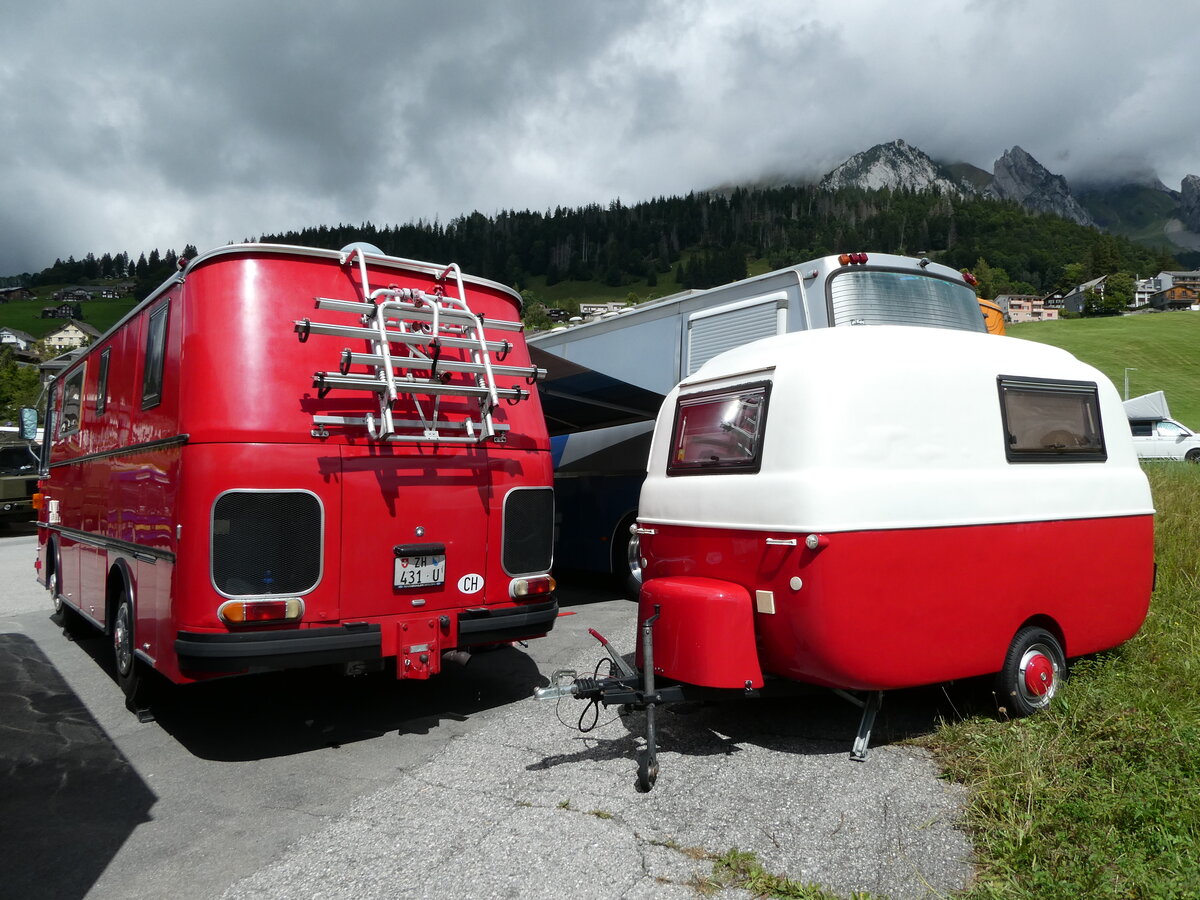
(131, 128)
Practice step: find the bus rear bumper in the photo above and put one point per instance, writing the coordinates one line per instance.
(267, 650)
(489, 626)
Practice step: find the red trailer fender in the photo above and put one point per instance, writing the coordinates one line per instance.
(704, 634)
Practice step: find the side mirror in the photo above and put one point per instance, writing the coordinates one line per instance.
(28, 423)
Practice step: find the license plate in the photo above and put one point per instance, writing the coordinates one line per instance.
(419, 571)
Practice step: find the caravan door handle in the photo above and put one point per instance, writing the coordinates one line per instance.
(781, 542)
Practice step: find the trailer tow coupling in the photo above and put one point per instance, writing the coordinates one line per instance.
(628, 689)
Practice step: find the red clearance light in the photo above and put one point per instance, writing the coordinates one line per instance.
(970, 279)
(534, 586)
(246, 612)
(851, 259)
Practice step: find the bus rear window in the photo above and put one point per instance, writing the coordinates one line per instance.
(874, 297)
(1051, 421)
(719, 431)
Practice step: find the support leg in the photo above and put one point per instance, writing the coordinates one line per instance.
(858, 752)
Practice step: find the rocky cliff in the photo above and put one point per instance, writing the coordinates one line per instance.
(1189, 203)
(1018, 176)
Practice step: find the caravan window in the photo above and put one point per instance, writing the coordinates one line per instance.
(1051, 421)
(719, 431)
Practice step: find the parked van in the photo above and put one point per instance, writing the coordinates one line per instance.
(875, 508)
(1155, 434)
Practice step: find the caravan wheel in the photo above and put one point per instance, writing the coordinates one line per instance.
(1033, 669)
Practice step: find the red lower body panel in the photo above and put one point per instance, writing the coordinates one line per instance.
(877, 610)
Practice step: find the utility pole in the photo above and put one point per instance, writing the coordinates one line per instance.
(1127, 371)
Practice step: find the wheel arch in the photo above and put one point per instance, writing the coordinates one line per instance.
(117, 586)
(1050, 624)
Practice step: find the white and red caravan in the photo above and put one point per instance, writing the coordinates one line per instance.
(882, 507)
(288, 456)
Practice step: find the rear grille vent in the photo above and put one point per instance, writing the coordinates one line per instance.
(528, 531)
(266, 543)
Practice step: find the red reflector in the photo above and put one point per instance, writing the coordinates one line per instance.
(263, 612)
(970, 279)
(859, 258)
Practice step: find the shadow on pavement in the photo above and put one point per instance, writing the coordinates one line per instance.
(284, 713)
(799, 719)
(70, 799)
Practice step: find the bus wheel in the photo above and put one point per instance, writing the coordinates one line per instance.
(627, 559)
(1033, 669)
(129, 673)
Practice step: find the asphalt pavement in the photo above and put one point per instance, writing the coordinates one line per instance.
(316, 786)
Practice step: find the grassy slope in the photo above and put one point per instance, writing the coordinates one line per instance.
(25, 315)
(1164, 348)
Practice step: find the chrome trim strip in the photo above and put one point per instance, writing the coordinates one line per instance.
(178, 439)
(138, 551)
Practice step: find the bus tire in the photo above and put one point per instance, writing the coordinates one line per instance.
(131, 677)
(626, 559)
(1033, 670)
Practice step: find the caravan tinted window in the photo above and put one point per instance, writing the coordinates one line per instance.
(719, 431)
(1051, 421)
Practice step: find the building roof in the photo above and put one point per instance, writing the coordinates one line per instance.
(82, 326)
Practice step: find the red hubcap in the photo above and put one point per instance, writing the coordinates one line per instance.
(1039, 675)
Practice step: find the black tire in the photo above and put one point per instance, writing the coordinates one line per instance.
(1033, 669)
(1193, 456)
(626, 559)
(130, 675)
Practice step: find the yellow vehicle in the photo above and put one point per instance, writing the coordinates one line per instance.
(993, 316)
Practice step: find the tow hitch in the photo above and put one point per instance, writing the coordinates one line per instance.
(627, 689)
(633, 690)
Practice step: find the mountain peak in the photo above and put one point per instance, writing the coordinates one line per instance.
(894, 165)
(1018, 176)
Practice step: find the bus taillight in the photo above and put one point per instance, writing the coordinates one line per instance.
(261, 612)
(531, 587)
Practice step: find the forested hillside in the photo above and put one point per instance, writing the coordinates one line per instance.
(705, 239)
(670, 243)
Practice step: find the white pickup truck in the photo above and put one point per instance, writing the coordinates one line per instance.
(1155, 434)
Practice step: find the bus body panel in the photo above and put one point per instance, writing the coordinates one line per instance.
(183, 467)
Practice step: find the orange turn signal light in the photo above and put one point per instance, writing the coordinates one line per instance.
(261, 612)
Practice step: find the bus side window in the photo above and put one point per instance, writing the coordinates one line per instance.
(72, 403)
(156, 341)
(102, 382)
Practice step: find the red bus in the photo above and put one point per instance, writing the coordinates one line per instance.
(286, 457)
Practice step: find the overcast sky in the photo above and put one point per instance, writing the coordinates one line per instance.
(130, 126)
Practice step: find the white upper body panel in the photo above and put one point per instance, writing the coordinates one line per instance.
(884, 427)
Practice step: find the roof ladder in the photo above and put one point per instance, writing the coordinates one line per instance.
(420, 347)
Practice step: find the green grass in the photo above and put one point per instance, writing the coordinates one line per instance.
(25, 315)
(1099, 796)
(1164, 348)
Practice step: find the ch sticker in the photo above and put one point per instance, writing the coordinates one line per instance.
(470, 584)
